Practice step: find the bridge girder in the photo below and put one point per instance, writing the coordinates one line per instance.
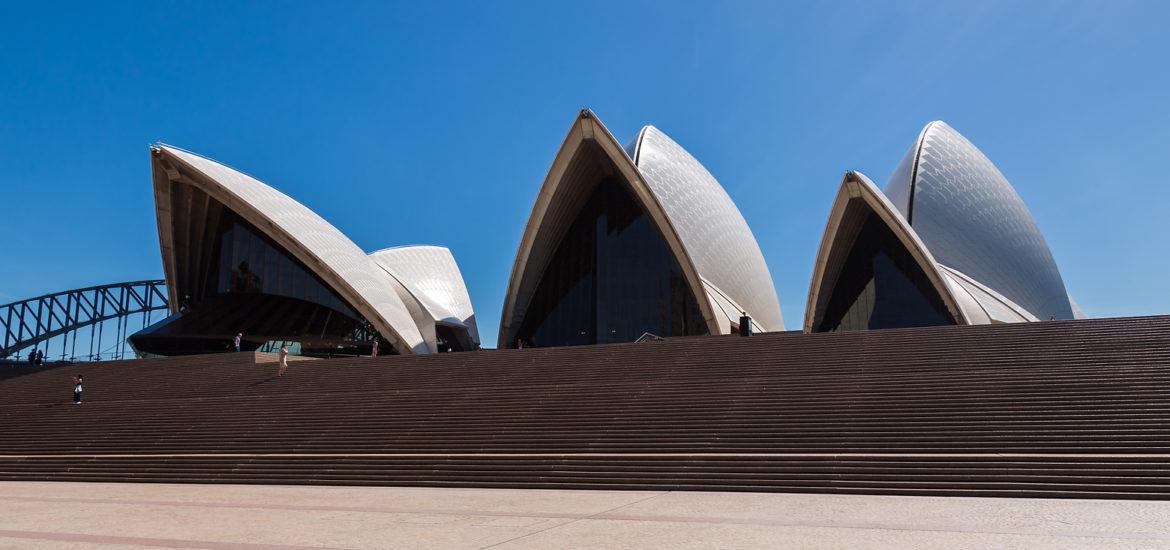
(29, 322)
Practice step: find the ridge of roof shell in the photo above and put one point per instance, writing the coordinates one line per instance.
(431, 276)
(857, 190)
(899, 187)
(667, 181)
(415, 246)
(159, 145)
(713, 230)
(317, 243)
(948, 190)
(586, 137)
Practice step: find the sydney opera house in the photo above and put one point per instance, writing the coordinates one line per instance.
(624, 241)
(242, 257)
(948, 241)
(621, 242)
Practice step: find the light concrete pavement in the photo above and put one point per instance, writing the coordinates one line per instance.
(257, 517)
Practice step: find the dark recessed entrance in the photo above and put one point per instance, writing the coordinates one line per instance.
(611, 279)
(881, 286)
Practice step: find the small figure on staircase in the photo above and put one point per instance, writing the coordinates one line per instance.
(237, 341)
(283, 359)
(77, 389)
(374, 348)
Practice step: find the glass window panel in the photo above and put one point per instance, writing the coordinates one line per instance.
(312, 288)
(284, 275)
(881, 286)
(240, 259)
(255, 263)
(298, 277)
(271, 273)
(261, 289)
(609, 280)
(227, 246)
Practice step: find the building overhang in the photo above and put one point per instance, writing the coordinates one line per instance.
(305, 235)
(574, 171)
(428, 276)
(710, 226)
(856, 198)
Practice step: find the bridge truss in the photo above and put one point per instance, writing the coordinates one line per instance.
(60, 320)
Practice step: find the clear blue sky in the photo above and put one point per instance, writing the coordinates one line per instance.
(434, 123)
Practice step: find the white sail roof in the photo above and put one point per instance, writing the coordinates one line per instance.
(431, 276)
(705, 232)
(717, 238)
(857, 198)
(975, 223)
(312, 240)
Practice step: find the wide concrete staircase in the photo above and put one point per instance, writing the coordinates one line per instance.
(1050, 409)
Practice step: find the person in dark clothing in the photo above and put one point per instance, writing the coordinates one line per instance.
(40, 356)
(77, 389)
(237, 341)
(32, 357)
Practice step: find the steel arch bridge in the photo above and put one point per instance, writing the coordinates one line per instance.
(30, 323)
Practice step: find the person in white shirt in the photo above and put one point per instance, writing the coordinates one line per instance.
(283, 359)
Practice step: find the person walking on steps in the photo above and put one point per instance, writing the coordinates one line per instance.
(77, 389)
(237, 341)
(283, 359)
(374, 348)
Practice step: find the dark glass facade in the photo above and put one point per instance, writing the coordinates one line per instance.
(452, 338)
(611, 279)
(252, 285)
(881, 286)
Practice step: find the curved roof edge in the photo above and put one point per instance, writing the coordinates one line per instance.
(718, 239)
(1078, 313)
(899, 187)
(857, 189)
(315, 242)
(551, 208)
(722, 303)
(430, 276)
(959, 202)
(997, 307)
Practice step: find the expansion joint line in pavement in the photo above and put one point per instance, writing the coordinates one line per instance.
(149, 541)
(612, 514)
(598, 515)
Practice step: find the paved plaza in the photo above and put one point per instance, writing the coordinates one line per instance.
(263, 517)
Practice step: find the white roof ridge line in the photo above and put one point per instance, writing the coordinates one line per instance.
(401, 246)
(1017, 308)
